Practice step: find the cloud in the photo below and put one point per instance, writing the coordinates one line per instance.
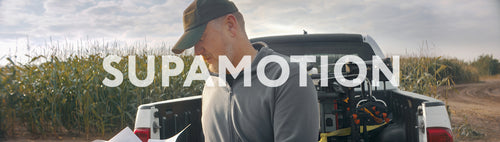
(11, 36)
(396, 25)
(63, 7)
(451, 25)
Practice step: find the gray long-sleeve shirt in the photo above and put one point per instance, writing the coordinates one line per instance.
(259, 113)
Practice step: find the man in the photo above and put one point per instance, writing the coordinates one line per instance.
(235, 112)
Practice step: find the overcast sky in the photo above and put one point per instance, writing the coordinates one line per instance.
(454, 28)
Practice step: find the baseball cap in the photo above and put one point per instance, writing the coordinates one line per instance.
(195, 19)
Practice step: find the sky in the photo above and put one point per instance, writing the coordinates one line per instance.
(462, 29)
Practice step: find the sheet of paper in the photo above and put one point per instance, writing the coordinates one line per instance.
(126, 135)
(171, 139)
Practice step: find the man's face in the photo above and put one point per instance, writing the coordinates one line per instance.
(212, 44)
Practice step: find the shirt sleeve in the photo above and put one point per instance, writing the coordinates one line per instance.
(296, 112)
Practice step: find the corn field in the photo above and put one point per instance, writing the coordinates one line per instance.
(68, 97)
(425, 75)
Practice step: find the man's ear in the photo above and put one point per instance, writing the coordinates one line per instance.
(231, 25)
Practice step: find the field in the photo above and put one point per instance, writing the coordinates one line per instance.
(62, 97)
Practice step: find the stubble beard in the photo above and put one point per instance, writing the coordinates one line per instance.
(214, 67)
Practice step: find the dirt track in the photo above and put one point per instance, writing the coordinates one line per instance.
(477, 104)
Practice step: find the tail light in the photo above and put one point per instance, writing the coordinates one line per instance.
(143, 134)
(438, 134)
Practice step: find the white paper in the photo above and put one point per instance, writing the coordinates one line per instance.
(171, 139)
(126, 135)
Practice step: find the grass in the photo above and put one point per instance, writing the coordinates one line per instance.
(466, 131)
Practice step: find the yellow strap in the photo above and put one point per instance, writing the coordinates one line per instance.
(346, 131)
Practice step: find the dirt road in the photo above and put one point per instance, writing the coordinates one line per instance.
(475, 108)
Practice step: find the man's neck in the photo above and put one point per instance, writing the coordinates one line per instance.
(247, 50)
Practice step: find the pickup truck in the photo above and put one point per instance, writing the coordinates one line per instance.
(360, 113)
